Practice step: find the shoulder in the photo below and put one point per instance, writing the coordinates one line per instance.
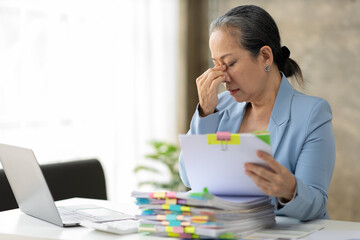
(305, 104)
(310, 110)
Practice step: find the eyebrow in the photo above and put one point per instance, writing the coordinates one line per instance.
(223, 56)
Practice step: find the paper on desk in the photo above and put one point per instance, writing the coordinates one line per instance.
(334, 235)
(287, 231)
(220, 167)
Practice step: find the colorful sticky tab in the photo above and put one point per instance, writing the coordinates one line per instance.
(171, 194)
(174, 235)
(199, 219)
(223, 136)
(165, 223)
(140, 201)
(201, 195)
(189, 229)
(228, 235)
(171, 217)
(159, 194)
(185, 208)
(170, 201)
(147, 212)
(185, 235)
(174, 207)
(234, 139)
(174, 223)
(185, 224)
(197, 195)
(178, 229)
(264, 136)
(174, 229)
(161, 217)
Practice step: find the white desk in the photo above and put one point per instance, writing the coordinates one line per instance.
(16, 225)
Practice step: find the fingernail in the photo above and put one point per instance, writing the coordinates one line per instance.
(260, 154)
(223, 67)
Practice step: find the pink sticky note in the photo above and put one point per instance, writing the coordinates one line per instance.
(223, 136)
(171, 194)
(178, 229)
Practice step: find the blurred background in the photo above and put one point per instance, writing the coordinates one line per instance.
(103, 78)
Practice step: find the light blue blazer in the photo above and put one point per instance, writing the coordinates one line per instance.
(302, 140)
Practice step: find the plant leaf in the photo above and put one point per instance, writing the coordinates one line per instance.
(146, 168)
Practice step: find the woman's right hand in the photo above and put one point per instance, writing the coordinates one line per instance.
(207, 85)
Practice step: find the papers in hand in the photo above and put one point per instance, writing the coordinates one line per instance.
(219, 164)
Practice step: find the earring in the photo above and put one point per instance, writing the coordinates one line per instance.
(267, 68)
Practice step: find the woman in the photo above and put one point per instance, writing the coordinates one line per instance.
(248, 57)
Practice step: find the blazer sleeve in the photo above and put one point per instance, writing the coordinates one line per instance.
(199, 125)
(314, 167)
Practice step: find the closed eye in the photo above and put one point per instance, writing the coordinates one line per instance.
(231, 64)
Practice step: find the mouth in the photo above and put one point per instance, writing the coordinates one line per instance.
(234, 91)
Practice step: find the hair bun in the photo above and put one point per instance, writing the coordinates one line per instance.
(285, 52)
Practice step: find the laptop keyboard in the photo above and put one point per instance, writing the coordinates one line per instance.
(70, 216)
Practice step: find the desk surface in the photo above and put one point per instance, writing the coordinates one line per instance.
(16, 225)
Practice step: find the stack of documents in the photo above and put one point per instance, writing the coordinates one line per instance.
(202, 215)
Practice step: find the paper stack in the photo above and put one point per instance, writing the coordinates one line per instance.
(202, 215)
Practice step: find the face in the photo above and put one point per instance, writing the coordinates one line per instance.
(246, 78)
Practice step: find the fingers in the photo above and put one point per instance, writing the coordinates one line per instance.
(277, 181)
(260, 171)
(270, 186)
(262, 183)
(205, 80)
(216, 82)
(258, 179)
(273, 164)
(207, 85)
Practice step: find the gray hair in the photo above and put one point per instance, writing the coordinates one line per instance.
(255, 28)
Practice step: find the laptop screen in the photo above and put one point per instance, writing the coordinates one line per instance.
(28, 183)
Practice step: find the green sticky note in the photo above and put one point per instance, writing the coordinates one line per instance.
(264, 136)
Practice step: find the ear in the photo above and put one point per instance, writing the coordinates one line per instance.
(266, 55)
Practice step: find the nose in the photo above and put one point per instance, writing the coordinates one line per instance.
(227, 77)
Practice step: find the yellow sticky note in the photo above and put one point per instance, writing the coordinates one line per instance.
(171, 234)
(170, 201)
(234, 139)
(159, 194)
(165, 206)
(200, 217)
(185, 208)
(189, 229)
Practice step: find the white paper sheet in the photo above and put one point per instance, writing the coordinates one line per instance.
(285, 231)
(334, 235)
(222, 171)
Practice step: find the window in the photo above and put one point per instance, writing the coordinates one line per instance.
(81, 79)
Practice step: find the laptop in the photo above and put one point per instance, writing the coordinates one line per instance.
(33, 195)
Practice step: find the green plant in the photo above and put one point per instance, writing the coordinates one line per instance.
(168, 155)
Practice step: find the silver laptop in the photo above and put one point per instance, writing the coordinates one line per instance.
(33, 195)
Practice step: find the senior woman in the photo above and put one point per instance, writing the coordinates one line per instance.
(246, 50)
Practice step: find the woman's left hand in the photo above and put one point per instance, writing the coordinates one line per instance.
(277, 181)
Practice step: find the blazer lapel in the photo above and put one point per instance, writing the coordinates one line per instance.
(280, 115)
(232, 119)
